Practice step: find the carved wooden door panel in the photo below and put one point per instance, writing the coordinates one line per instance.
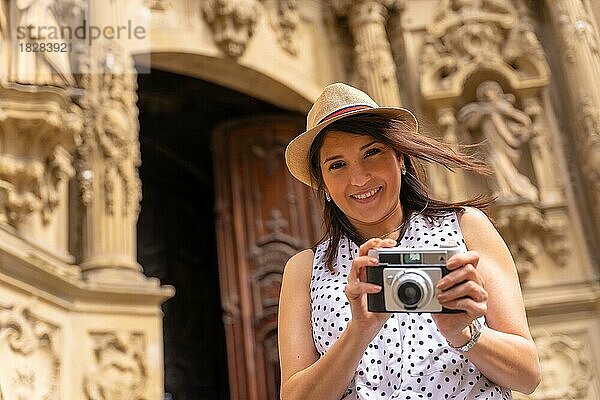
(264, 216)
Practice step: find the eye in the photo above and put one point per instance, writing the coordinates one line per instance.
(372, 151)
(336, 165)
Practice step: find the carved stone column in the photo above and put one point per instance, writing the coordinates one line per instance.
(580, 62)
(374, 60)
(108, 157)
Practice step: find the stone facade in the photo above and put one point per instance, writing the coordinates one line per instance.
(78, 317)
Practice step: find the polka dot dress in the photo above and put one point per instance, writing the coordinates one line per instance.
(409, 358)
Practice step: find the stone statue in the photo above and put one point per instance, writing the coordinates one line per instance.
(42, 29)
(233, 23)
(506, 129)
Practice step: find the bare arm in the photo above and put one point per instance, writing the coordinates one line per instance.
(305, 375)
(505, 352)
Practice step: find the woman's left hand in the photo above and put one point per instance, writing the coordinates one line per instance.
(463, 288)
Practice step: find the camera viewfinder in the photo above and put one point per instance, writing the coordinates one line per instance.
(412, 258)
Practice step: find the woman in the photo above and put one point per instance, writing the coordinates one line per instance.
(362, 158)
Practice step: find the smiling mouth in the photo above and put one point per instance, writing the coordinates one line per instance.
(366, 195)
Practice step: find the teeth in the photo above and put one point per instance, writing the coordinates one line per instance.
(366, 195)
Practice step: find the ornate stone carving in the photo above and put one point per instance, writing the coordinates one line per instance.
(529, 232)
(547, 172)
(232, 22)
(120, 371)
(466, 36)
(521, 227)
(566, 365)
(374, 60)
(453, 13)
(507, 131)
(286, 23)
(522, 45)
(111, 129)
(30, 366)
(35, 163)
(589, 118)
(556, 239)
(38, 67)
(108, 157)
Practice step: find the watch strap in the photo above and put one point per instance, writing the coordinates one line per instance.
(475, 330)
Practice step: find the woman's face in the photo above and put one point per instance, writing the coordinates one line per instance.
(362, 177)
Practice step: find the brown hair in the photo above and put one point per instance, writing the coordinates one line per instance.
(415, 149)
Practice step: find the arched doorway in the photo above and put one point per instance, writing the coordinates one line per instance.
(177, 240)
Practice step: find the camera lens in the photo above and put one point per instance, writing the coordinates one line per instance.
(409, 293)
(412, 289)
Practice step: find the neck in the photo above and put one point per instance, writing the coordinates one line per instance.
(386, 228)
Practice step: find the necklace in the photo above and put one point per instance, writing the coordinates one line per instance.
(396, 229)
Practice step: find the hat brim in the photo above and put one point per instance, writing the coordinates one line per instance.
(297, 151)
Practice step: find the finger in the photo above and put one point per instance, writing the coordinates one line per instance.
(472, 308)
(457, 260)
(466, 289)
(369, 244)
(356, 289)
(465, 273)
(358, 272)
(374, 243)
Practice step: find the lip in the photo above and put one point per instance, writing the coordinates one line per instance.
(370, 194)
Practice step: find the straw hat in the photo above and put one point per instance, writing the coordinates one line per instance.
(337, 101)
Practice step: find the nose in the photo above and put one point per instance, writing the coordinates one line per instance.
(359, 176)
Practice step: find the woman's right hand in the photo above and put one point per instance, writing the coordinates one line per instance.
(357, 288)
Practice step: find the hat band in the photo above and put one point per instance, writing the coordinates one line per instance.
(344, 111)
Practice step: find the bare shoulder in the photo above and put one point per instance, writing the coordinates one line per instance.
(476, 226)
(473, 217)
(481, 235)
(299, 266)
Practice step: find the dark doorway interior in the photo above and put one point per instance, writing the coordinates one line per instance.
(176, 227)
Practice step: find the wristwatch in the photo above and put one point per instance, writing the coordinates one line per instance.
(475, 329)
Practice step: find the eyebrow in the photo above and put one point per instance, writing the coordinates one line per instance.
(339, 156)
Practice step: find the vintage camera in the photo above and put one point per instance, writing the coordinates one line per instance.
(408, 278)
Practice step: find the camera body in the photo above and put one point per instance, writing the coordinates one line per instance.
(408, 279)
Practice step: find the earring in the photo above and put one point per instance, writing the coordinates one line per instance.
(327, 197)
(403, 170)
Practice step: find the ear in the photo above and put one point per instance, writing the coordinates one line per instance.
(400, 158)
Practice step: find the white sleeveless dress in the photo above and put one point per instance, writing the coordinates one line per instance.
(409, 358)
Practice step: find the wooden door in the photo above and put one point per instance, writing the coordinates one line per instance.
(264, 216)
